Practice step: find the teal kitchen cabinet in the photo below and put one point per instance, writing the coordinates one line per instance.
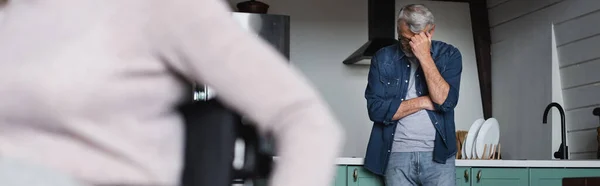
(554, 176)
(359, 176)
(499, 177)
(463, 176)
(340, 176)
(467, 176)
(356, 175)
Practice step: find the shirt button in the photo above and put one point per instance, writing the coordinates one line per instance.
(401, 99)
(389, 151)
(388, 83)
(408, 66)
(419, 92)
(417, 75)
(436, 122)
(406, 81)
(392, 134)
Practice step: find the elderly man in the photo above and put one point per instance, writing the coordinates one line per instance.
(411, 94)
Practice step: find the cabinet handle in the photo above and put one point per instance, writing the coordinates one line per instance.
(467, 175)
(355, 174)
(479, 176)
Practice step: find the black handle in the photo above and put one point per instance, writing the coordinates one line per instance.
(596, 112)
(258, 161)
(209, 141)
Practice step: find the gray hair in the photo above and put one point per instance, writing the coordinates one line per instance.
(416, 16)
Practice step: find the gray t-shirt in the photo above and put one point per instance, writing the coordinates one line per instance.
(415, 132)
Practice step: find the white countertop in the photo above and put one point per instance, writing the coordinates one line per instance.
(502, 163)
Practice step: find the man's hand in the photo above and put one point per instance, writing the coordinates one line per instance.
(411, 106)
(421, 46)
(438, 87)
(427, 103)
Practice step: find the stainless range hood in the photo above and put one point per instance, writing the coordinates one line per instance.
(382, 22)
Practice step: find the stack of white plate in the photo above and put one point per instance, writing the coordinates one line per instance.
(482, 132)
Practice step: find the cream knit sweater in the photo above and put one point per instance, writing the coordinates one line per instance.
(88, 88)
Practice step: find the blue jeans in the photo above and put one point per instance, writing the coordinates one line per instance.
(419, 169)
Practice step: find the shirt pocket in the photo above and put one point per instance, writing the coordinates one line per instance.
(390, 85)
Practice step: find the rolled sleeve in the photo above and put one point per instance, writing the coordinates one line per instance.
(380, 109)
(394, 105)
(452, 75)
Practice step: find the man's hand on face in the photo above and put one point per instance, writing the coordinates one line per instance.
(421, 45)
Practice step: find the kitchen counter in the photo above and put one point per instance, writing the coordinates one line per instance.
(349, 172)
(502, 163)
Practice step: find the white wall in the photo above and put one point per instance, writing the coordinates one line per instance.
(325, 32)
(577, 40)
(522, 73)
(557, 96)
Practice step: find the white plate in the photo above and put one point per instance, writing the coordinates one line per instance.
(471, 136)
(464, 154)
(488, 134)
(464, 151)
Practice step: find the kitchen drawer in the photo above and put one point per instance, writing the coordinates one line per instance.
(359, 176)
(499, 176)
(463, 176)
(554, 176)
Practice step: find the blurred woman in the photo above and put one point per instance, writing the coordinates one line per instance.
(90, 88)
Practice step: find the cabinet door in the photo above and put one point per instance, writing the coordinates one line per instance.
(463, 176)
(358, 176)
(340, 176)
(499, 177)
(554, 176)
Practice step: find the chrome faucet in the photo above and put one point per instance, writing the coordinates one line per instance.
(596, 112)
(563, 151)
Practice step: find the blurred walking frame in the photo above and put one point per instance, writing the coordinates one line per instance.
(211, 132)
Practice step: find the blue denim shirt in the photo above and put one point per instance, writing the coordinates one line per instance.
(386, 89)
